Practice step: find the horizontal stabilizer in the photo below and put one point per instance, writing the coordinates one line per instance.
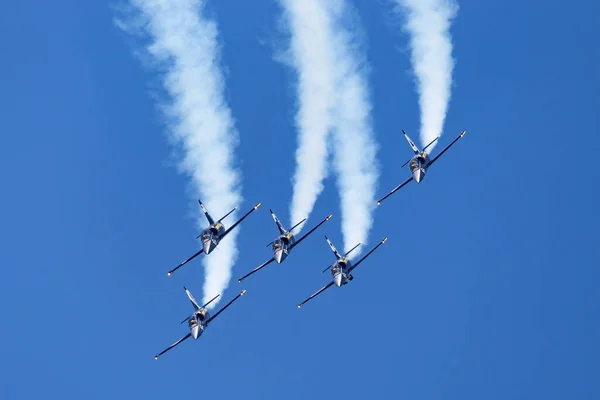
(297, 225)
(227, 215)
(432, 142)
(350, 251)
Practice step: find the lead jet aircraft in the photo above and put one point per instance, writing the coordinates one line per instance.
(419, 163)
(341, 269)
(199, 320)
(212, 236)
(283, 245)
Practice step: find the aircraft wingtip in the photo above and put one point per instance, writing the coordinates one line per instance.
(243, 292)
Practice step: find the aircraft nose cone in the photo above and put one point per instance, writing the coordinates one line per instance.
(195, 332)
(418, 175)
(337, 279)
(207, 246)
(279, 256)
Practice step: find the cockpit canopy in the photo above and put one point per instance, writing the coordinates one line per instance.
(336, 269)
(198, 318)
(419, 161)
(280, 243)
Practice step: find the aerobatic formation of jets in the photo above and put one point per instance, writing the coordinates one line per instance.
(341, 269)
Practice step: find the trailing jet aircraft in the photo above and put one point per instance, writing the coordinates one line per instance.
(199, 320)
(284, 243)
(212, 236)
(419, 163)
(341, 269)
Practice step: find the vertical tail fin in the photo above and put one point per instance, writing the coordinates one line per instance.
(277, 222)
(192, 299)
(410, 142)
(337, 254)
(205, 211)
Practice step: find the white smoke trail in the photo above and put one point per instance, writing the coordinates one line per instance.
(428, 23)
(355, 149)
(312, 57)
(333, 97)
(200, 121)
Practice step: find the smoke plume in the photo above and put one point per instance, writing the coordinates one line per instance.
(428, 22)
(185, 46)
(311, 55)
(333, 103)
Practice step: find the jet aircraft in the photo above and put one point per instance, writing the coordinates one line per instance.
(199, 320)
(341, 269)
(212, 236)
(284, 243)
(419, 163)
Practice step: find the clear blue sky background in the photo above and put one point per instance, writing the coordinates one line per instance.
(485, 290)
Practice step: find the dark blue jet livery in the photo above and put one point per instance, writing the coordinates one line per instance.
(341, 269)
(419, 163)
(283, 245)
(199, 320)
(212, 236)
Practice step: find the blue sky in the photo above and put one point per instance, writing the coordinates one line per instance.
(486, 288)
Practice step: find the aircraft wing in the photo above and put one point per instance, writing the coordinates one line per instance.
(447, 147)
(261, 266)
(318, 292)
(394, 190)
(240, 220)
(226, 305)
(171, 346)
(367, 255)
(309, 232)
(184, 262)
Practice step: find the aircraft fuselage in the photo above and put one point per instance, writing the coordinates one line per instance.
(197, 322)
(340, 271)
(211, 237)
(282, 246)
(418, 166)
